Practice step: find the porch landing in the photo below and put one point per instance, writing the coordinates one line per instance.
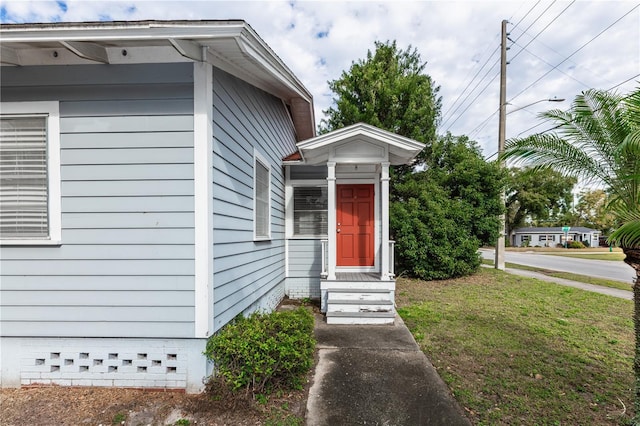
(358, 298)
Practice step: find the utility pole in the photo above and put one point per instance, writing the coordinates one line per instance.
(499, 260)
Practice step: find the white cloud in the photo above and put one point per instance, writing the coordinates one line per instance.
(454, 38)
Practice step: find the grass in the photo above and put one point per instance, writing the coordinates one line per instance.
(563, 250)
(515, 350)
(595, 256)
(574, 277)
(568, 276)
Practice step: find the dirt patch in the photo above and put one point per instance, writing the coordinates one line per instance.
(56, 405)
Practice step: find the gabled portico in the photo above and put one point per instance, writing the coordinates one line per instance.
(357, 253)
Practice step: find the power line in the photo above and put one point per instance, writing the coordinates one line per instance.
(470, 81)
(451, 115)
(576, 51)
(541, 31)
(597, 109)
(483, 124)
(538, 57)
(537, 19)
(445, 119)
(474, 99)
(626, 81)
(526, 14)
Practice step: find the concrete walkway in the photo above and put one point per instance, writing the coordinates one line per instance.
(615, 292)
(376, 375)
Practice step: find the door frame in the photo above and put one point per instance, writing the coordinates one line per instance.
(376, 225)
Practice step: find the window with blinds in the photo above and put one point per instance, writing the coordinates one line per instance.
(262, 215)
(310, 205)
(23, 178)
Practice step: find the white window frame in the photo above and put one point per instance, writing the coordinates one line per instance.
(51, 109)
(258, 158)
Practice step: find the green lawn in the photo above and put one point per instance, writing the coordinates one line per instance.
(614, 256)
(574, 277)
(568, 276)
(516, 350)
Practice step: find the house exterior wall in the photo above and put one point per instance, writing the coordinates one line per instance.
(304, 268)
(248, 275)
(125, 266)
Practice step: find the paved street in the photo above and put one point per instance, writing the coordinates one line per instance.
(618, 271)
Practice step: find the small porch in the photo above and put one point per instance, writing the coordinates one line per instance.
(357, 284)
(358, 297)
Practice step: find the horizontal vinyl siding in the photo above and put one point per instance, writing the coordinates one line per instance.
(245, 118)
(304, 262)
(125, 267)
(305, 257)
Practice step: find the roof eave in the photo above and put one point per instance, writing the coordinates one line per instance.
(198, 33)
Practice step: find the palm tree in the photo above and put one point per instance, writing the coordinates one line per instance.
(598, 141)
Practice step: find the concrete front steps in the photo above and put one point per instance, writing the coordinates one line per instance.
(364, 304)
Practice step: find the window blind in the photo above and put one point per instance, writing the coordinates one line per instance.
(23, 178)
(310, 215)
(262, 200)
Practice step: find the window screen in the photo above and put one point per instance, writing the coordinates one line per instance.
(262, 216)
(310, 211)
(23, 178)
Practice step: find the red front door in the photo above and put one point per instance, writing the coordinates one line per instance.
(355, 225)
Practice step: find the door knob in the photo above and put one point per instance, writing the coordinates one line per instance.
(338, 231)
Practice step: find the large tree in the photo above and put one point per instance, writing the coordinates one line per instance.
(390, 90)
(534, 197)
(598, 140)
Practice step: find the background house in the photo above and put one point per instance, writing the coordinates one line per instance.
(551, 236)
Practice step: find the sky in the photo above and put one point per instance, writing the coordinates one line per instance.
(557, 49)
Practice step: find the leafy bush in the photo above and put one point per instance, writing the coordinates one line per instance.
(432, 241)
(264, 351)
(440, 216)
(575, 245)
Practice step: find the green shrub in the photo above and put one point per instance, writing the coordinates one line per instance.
(264, 351)
(575, 245)
(432, 240)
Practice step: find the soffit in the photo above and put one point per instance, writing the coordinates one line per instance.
(232, 46)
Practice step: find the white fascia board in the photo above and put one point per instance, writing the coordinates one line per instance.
(116, 33)
(364, 131)
(253, 46)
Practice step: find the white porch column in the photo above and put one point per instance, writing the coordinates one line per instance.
(384, 241)
(331, 228)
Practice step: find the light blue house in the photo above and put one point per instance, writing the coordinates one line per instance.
(158, 179)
